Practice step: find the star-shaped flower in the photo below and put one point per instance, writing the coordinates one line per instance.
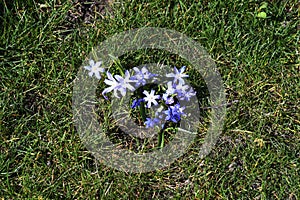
(137, 102)
(125, 83)
(114, 85)
(151, 122)
(178, 75)
(150, 98)
(141, 76)
(95, 68)
(168, 99)
(174, 113)
(181, 89)
(171, 89)
(118, 83)
(186, 95)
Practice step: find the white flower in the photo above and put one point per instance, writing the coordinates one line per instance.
(114, 85)
(150, 98)
(95, 68)
(118, 84)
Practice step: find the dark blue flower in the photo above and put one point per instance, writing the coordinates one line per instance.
(137, 102)
(174, 113)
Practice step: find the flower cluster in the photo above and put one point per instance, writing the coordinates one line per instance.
(167, 100)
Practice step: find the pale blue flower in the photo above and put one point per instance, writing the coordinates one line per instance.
(141, 76)
(159, 113)
(125, 83)
(118, 83)
(181, 89)
(168, 99)
(151, 122)
(187, 95)
(176, 108)
(178, 75)
(174, 89)
(150, 98)
(95, 68)
(171, 89)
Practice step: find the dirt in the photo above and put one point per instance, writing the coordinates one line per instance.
(87, 11)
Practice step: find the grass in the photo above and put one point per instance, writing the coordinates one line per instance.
(257, 155)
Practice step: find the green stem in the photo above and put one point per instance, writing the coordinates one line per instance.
(161, 139)
(143, 111)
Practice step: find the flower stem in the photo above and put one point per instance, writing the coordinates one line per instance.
(161, 139)
(143, 111)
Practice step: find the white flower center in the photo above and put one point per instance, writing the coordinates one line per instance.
(94, 68)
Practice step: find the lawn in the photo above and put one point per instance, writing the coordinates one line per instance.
(43, 45)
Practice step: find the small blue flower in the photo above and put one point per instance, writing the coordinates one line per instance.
(187, 95)
(174, 113)
(141, 76)
(168, 99)
(125, 83)
(172, 116)
(171, 88)
(178, 75)
(151, 122)
(137, 102)
(180, 89)
(95, 68)
(159, 113)
(177, 109)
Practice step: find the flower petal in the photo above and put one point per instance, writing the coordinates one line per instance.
(97, 74)
(98, 64)
(91, 62)
(87, 68)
